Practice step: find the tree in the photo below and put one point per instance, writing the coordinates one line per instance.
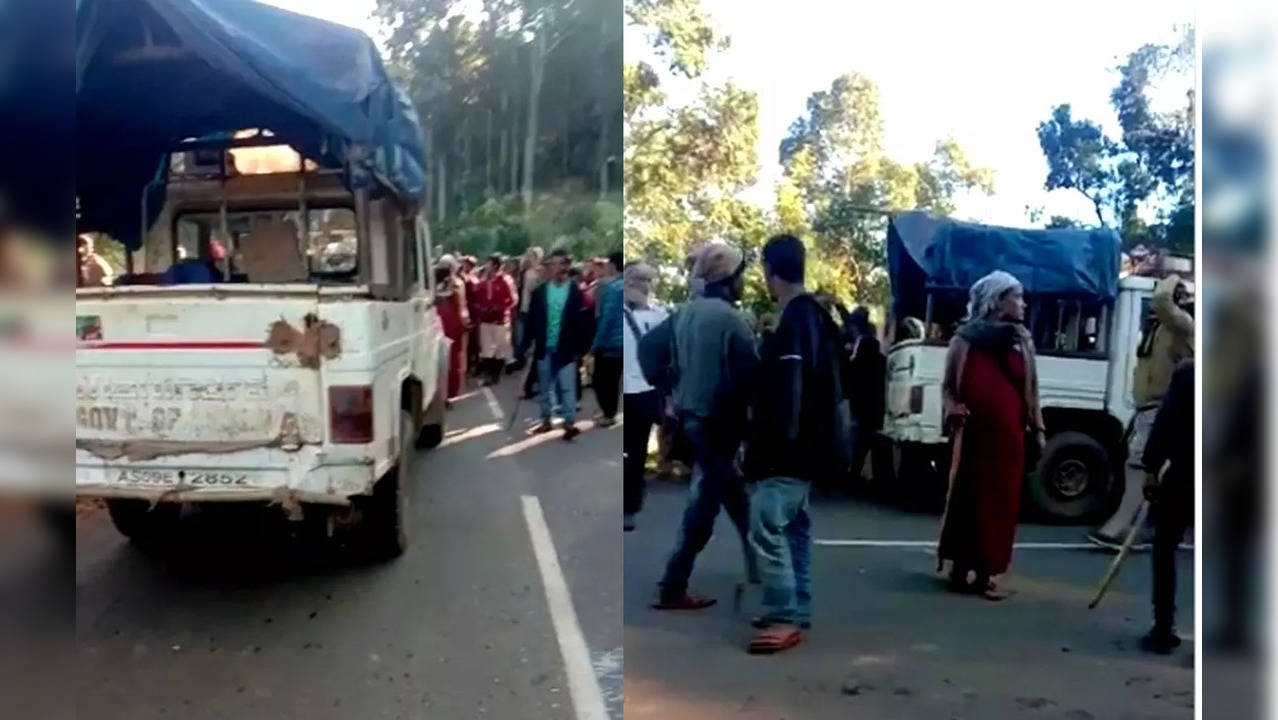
(1078, 158)
(1151, 166)
(518, 98)
(834, 159)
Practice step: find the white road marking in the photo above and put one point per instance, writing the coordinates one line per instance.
(583, 684)
(462, 435)
(932, 543)
(493, 405)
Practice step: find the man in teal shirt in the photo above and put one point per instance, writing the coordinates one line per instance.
(557, 324)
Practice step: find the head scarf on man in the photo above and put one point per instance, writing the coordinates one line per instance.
(637, 281)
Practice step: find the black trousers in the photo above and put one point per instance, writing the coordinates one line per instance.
(643, 411)
(1173, 511)
(607, 383)
(715, 485)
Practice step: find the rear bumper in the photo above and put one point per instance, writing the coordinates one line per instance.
(261, 474)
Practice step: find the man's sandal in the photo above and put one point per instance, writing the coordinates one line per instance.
(775, 639)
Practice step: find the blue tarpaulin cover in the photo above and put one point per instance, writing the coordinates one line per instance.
(152, 73)
(926, 252)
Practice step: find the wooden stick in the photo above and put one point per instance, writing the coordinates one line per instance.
(1112, 572)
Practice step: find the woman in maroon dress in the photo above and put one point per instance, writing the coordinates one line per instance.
(990, 395)
(450, 303)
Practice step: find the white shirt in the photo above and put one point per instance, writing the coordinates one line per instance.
(646, 318)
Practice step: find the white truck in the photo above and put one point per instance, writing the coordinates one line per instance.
(297, 383)
(273, 339)
(1086, 355)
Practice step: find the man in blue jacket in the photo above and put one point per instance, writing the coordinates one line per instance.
(607, 347)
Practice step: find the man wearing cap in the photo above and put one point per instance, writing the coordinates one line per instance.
(717, 361)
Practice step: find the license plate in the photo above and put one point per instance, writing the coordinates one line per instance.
(193, 478)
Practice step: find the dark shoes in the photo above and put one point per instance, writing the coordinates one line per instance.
(687, 602)
(571, 432)
(628, 523)
(1160, 641)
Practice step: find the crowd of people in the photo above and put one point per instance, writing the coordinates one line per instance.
(767, 418)
(558, 322)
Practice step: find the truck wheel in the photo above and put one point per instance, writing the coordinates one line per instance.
(919, 476)
(1073, 478)
(432, 432)
(882, 464)
(384, 525)
(143, 524)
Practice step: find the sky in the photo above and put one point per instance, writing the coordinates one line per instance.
(982, 72)
(985, 74)
(352, 13)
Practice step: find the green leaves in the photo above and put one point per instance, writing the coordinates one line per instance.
(1153, 161)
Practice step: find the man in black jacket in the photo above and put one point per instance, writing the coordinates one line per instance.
(790, 444)
(1169, 486)
(557, 323)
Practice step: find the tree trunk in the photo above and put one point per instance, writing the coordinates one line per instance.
(503, 143)
(441, 187)
(1100, 216)
(514, 152)
(463, 182)
(488, 156)
(603, 150)
(428, 179)
(537, 70)
(601, 153)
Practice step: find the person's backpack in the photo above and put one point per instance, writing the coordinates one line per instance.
(656, 350)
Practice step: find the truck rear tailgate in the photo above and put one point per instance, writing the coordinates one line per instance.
(174, 389)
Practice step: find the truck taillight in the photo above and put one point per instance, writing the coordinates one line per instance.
(916, 399)
(350, 414)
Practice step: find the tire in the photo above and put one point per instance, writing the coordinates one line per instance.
(919, 476)
(1073, 480)
(143, 524)
(59, 518)
(384, 523)
(432, 433)
(430, 437)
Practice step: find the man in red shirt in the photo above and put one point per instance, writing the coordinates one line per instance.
(494, 301)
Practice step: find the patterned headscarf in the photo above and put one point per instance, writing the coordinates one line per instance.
(986, 292)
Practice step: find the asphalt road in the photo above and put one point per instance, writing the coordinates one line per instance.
(888, 641)
(239, 620)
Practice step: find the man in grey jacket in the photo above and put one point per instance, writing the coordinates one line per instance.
(716, 359)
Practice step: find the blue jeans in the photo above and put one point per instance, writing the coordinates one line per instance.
(557, 386)
(781, 536)
(715, 484)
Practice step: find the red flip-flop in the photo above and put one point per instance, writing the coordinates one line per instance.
(775, 639)
(687, 602)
